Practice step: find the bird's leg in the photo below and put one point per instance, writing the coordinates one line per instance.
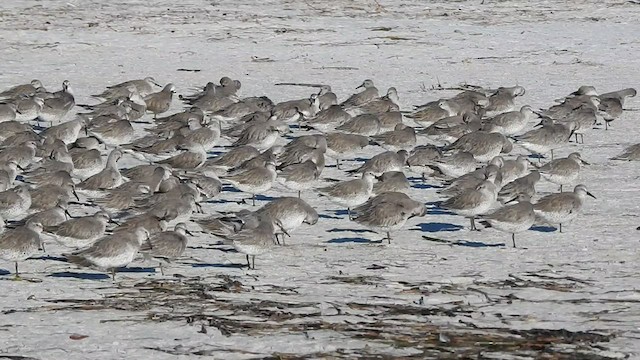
(473, 224)
(606, 125)
(278, 239)
(248, 263)
(388, 237)
(253, 261)
(113, 274)
(560, 188)
(299, 194)
(17, 276)
(560, 227)
(338, 164)
(161, 270)
(254, 199)
(551, 154)
(513, 239)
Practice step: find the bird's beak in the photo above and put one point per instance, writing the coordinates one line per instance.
(584, 162)
(538, 124)
(156, 84)
(20, 167)
(73, 190)
(361, 86)
(189, 233)
(590, 194)
(279, 224)
(114, 222)
(66, 212)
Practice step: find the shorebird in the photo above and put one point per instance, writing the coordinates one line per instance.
(369, 93)
(327, 97)
(512, 218)
(254, 180)
(82, 231)
(402, 137)
(290, 212)
(521, 186)
(456, 165)
(341, 145)
(562, 207)
(111, 252)
(167, 245)
(383, 162)
(512, 122)
(14, 92)
(483, 145)
(388, 212)
(299, 177)
(472, 202)
(350, 193)
(563, 171)
(503, 99)
(20, 243)
(389, 102)
(58, 104)
(160, 102)
(256, 240)
(142, 87)
(365, 124)
(194, 156)
(108, 178)
(631, 153)
(230, 159)
(15, 202)
(328, 119)
(421, 159)
(391, 181)
(549, 137)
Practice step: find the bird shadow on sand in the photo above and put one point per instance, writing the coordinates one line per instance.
(357, 231)
(356, 240)
(4, 272)
(218, 265)
(546, 229)
(437, 227)
(227, 188)
(424, 186)
(323, 216)
(80, 275)
(462, 242)
(263, 198)
(438, 211)
(51, 258)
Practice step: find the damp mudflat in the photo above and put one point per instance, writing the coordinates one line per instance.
(438, 290)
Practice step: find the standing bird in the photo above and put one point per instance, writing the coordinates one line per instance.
(167, 245)
(562, 207)
(160, 102)
(111, 252)
(255, 180)
(563, 171)
(472, 202)
(388, 212)
(512, 218)
(255, 240)
(350, 193)
(21, 243)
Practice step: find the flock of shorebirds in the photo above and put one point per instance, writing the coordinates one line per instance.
(52, 162)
